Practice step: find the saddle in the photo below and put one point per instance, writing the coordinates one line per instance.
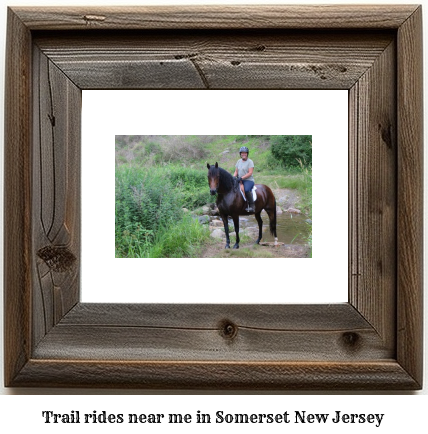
(253, 191)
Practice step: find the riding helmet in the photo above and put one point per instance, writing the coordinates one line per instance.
(244, 149)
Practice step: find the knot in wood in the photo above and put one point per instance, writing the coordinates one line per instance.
(227, 329)
(386, 134)
(351, 340)
(58, 259)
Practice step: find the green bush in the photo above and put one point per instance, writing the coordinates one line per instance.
(291, 150)
(145, 201)
(145, 197)
(149, 208)
(180, 240)
(152, 150)
(192, 185)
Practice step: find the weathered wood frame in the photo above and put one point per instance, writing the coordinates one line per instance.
(372, 342)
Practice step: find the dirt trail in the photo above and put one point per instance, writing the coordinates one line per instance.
(251, 250)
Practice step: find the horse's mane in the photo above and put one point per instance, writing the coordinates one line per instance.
(226, 179)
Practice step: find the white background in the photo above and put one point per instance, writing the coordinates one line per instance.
(324, 114)
(24, 412)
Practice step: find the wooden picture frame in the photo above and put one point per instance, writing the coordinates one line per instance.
(372, 342)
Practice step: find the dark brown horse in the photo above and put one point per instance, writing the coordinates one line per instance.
(231, 203)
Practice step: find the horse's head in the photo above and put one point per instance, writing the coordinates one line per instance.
(213, 178)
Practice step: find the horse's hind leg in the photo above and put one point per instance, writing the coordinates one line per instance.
(272, 222)
(260, 222)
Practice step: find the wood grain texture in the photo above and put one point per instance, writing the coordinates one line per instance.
(342, 317)
(17, 199)
(373, 177)
(216, 60)
(199, 332)
(56, 194)
(385, 375)
(410, 196)
(217, 17)
(372, 342)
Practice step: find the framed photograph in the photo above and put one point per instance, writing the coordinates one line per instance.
(372, 341)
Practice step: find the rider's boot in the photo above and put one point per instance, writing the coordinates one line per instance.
(250, 201)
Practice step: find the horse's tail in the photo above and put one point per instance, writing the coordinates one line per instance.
(272, 222)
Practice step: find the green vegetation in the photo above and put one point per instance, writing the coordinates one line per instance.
(183, 239)
(291, 151)
(149, 210)
(162, 180)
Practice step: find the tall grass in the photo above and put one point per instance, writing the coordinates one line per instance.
(306, 188)
(150, 221)
(306, 199)
(181, 240)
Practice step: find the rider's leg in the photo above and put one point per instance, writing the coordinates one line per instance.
(249, 195)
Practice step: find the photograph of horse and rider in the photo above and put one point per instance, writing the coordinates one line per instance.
(231, 196)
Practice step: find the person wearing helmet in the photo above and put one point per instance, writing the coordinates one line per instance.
(244, 172)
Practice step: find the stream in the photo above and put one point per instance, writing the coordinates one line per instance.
(291, 228)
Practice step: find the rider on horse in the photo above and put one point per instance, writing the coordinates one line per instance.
(244, 174)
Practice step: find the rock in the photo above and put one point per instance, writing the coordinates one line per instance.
(271, 243)
(294, 211)
(218, 233)
(308, 221)
(205, 209)
(217, 223)
(185, 209)
(203, 219)
(278, 210)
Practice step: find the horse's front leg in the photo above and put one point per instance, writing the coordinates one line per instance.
(236, 224)
(260, 222)
(226, 230)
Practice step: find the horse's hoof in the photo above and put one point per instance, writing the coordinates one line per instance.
(257, 242)
(236, 246)
(227, 246)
